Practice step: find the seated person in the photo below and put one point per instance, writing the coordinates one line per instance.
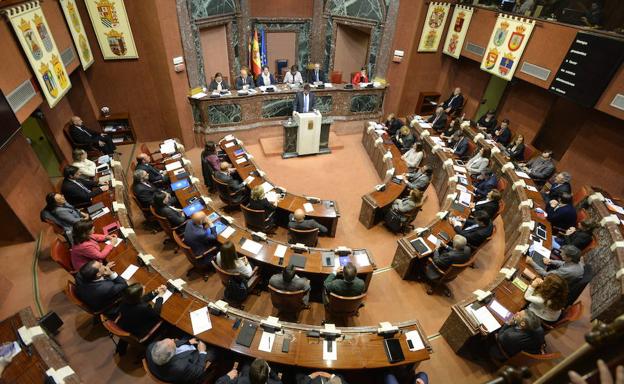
(260, 202)
(516, 149)
(99, 287)
(404, 139)
(82, 135)
(569, 267)
(84, 165)
(218, 84)
(244, 81)
(136, 314)
(540, 168)
(485, 182)
(488, 122)
(200, 234)
(87, 244)
(490, 204)
(210, 164)
(475, 230)
(393, 124)
(163, 206)
(420, 179)
(522, 333)
(360, 77)
(420, 378)
(293, 76)
(266, 78)
(438, 120)
(350, 285)
(319, 377)
(460, 149)
(479, 162)
(288, 281)
(407, 207)
(258, 372)
(561, 212)
(414, 156)
(77, 190)
(502, 134)
(446, 256)
(230, 262)
(179, 361)
(454, 103)
(449, 133)
(62, 213)
(297, 220)
(143, 190)
(315, 75)
(560, 185)
(154, 175)
(548, 297)
(580, 237)
(225, 175)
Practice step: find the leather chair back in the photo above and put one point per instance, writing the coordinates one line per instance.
(163, 222)
(288, 304)
(455, 269)
(308, 237)
(225, 193)
(255, 219)
(91, 152)
(154, 378)
(70, 292)
(60, 254)
(223, 274)
(524, 359)
(336, 77)
(342, 306)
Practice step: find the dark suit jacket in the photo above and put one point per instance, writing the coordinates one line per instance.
(243, 378)
(239, 82)
(200, 239)
(174, 217)
(99, 294)
(298, 103)
(488, 125)
(557, 189)
(475, 236)
(483, 187)
(262, 204)
(311, 76)
(491, 207)
(229, 180)
(513, 340)
(139, 319)
(306, 224)
(393, 126)
(144, 193)
(341, 287)
(259, 81)
(518, 154)
(440, 124)
(454, 103)
(76, 195)
(154, 175)
(504, 137)
(461, 149)
(580, 239)
(184, 368)
(563, 217)
(213, 85)
(444, 259)
(85, 138)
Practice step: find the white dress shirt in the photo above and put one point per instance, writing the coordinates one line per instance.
(290, 79)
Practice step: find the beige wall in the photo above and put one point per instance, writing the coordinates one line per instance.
(214, 48)
(281, 8)
(281, 45)
(351, 50)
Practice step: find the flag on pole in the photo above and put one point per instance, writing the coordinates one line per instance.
(256, 63)
(263, 48)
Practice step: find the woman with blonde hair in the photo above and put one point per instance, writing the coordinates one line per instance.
(404, 139)
(259, 201)
(548, 297)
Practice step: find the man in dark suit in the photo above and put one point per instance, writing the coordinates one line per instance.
(560, 185)
(438, 120)
(454, 103)
(179, 361)
(490, 204)
(154, 175)
(218, 84)
(580, 237)
(79, 191)
(84, 136)
(244, 81)
(258, 372)
(305, 101)
(350, 285)
(502, 134)
(143, 189)
(225, 176)
(297, 220)
(486, 181)
(561, 212)
(315, 75)
(444, 257)
(523, 333)
(265, 78)
(99, 287)
(475, 230)
(200, 234)
(290, 282)
(163, 206)
(460, 149)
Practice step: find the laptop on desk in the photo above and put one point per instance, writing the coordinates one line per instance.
(181, 184)
(192, 208)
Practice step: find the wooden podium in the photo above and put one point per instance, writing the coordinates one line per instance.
(306, 134)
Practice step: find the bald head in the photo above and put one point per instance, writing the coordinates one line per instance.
(299, 215)
(142, 158)
(198, 217)
(76, 120)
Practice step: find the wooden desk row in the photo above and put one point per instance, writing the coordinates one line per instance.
(358, 347)
(326, 212)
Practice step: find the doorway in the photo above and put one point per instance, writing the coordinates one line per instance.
(351, 51)
(34, 133)
(492, 95)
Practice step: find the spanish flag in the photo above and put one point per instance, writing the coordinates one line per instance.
(256, 63)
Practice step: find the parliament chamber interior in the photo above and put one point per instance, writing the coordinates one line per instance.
(312, 191)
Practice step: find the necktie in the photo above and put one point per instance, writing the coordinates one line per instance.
(244, 80)
(305, 103)
(471, 227)
(81, 186)
(83, 130)
(317, 75)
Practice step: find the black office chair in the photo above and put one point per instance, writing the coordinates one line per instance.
(233, 199)
(258, 220)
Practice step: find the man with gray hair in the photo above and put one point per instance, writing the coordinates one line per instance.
(522, 333)
(560, 185)
(143, 189)
(179, 361)
(444, 257)
(569, 268)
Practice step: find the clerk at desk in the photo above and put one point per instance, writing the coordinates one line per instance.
(244, 81)
(304, 101)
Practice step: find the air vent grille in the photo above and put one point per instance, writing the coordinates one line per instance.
(21, 95)
(68, 56)
(474, 48)
(535, 71)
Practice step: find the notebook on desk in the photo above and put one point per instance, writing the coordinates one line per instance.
(299, 261)
(393, 350)
(95, 208)
(420, 246)
(246, 334)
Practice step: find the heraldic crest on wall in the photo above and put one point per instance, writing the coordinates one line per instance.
(434, 25)
(112, 28)
(456, 35)
(78, 34)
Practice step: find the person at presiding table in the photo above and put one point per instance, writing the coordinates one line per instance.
(163, 205)
(218, 84)
(180, 361)
(225, 175)
(522, 333)
(580, 237)
(77, 190)
(266, 78)
(455, 102)
(487, 122)
(315, 75)
(569, 267)
(490, 204)
(87, 244)
(288, 281)
(547, 298)
(438, 120)
(404, 139)
(229, 261)
(540, 168)
(479, 162)
(297, 220)
(420, 179)
(63, 213)
(445, 256)
(155, 176)
(143, 189)
(82, 135)
(560, 185)
(350, 285)
(502, 134)
(244, 81)
(259, 372)
(393, 124)
(84, 165)
(99, 287)
(414, 156)
(360, 77)
(200, 234)
(259, 201)
(476, 229)
(561, 212)
(305, 101)
(515, 150)
(293, 76)
(484, 183)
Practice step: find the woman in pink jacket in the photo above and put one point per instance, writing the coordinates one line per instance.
(86, 244)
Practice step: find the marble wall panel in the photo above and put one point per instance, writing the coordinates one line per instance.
(200, 9)
(365, 103)
(224, 114)
(277, 108)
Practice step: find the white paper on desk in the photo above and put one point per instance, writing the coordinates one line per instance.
(199, 95)
(248, 180)
(117, 242)
(523, 175)
(308, 207)
(167, 147)
(266, 341)
(104, 179)
(531, 188)
(333, 355)
(329, 85)
(171, 166)
(434, 240)
(414, 337)
(165, 297)
(425, 125)
(465, 198)
(241, 160)
(361, 258)
(438, 140)
(458, 168)
(500, 310)
(280, 250)
(252, 246)
(380, 131)
(103, 159)
(200, 320)
(127, 274)
(461, 188)
(228, 145)
(272, 196)
(227, 232)
(485, 317)
(539, 248)
(103, 212)
(613, 207)
(267, 187)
